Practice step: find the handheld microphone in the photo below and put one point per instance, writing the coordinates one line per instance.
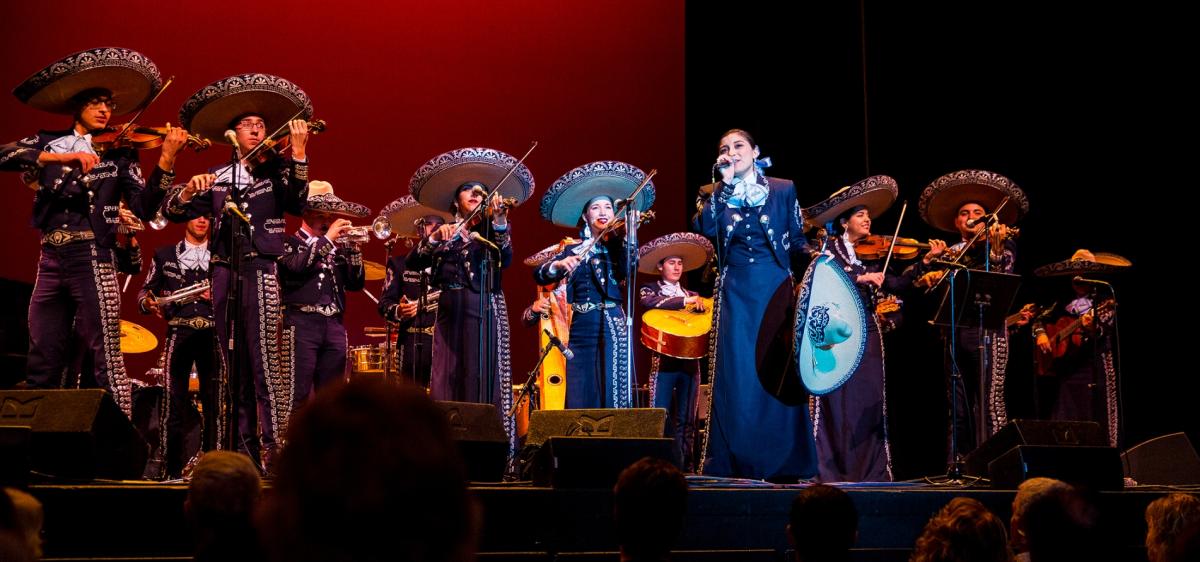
(566, 351)
(985, 218)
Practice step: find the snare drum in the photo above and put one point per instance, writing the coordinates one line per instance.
(365, 359)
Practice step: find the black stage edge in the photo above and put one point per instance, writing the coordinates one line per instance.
(136, 521)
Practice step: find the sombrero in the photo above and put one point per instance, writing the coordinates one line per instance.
(403, 214)
(210, 112)
(436, 183)
(1083, 262)
(941, 199)
(831, 327)
(694, 249)
(563, 203)
(546, 254)
(321, 199)
(876, 193)
(130, 76)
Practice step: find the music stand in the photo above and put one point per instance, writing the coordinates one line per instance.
(980, 300)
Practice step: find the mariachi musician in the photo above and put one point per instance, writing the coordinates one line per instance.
(674, 378)
(1074, 345)
(407, 299)
(246, 201)
(551, 314)
(76, 207)
(601, 373)
(978, 206)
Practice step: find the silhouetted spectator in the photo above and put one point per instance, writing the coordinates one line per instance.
(823, 524)
(222, 496)
(1172, 526)
(1027, 491)
(369, 472)
(962, 531)
(649, 502)
(21, 519)
(1063, 524)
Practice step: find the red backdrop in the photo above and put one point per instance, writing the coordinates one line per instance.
(398, 83)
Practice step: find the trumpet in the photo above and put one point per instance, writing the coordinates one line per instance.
(354, 235)
(185, 295)
(381, 228)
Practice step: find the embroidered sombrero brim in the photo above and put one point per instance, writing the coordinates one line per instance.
(548, 253)
(1105, 263)
(436, 183)
(211, 111)
(403, 214)
(876, 193)
(941, 199)
(694, 249)
(131, 77)
(563, 203)
(334, 205)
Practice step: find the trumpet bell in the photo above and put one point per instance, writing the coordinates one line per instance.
(382, 228)
(159, 222)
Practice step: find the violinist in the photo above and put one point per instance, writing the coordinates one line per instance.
(851, 421)
(978, 206)
(190, 341)
(1074, 343)
(675, 382)
(600, 374)
(76, 207)
(317, 269)
(246, 205)
(466, 258)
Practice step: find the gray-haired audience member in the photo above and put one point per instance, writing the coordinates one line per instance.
(823, 524)
(963, 531)
(369, 472)
(1027, 491)
(649, 502)
(1173, 528)
(220, 505)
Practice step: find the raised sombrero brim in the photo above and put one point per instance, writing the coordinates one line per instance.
(563, 203)
(334, 205)
(1077, 267)
(131, 77)
(436, 183)
(941, 199)
(694, 249)
(1112, 259)
(403, 213)
(210, 111)
(548, 253)
(876, 193)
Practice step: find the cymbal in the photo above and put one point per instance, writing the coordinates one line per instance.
(375, 270)
(136, 339)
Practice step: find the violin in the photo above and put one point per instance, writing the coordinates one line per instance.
(270, 148)
(614, 228)
(475, 218)
(876, 246)
(132, 135)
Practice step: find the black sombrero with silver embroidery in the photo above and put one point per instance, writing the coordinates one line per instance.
(942, 199)
(694, 249)
(563, 203)
(547, 253)
(436, 183)
(1083, 262)
(876, 193)
(322, 200)
(211, 111)
(403, 213)
(131, 77)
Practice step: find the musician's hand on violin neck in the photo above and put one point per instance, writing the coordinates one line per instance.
(936, 248)
(298, 137)
(499, 209)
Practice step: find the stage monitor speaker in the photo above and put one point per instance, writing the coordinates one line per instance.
(588, 448)
(595, 422)
(1097, 468)
(1033, 432)
(76, 434)
(1168, 460)
(481, 438)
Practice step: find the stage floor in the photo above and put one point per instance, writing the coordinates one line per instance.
(726, 520)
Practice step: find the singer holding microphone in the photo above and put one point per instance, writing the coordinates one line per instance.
(246, 204)
(675, 382)
(756, 223)
(1074, 342)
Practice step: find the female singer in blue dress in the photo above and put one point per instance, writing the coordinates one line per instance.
(757, 224)
(600, 375)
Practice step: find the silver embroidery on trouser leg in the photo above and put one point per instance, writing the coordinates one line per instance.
(164, 417)
(1110, 397)
(108, 295)
(653, 377)
(504, 368)
(712, 369)
(997, 408)
(279, 384)
(222, 412)
(622, 392)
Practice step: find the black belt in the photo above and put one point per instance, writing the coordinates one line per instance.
(59, 238)
(193, 322)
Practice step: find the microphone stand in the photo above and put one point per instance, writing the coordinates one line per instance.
(530, 388)
(233, 320)
(631, 261)
(388, 348)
